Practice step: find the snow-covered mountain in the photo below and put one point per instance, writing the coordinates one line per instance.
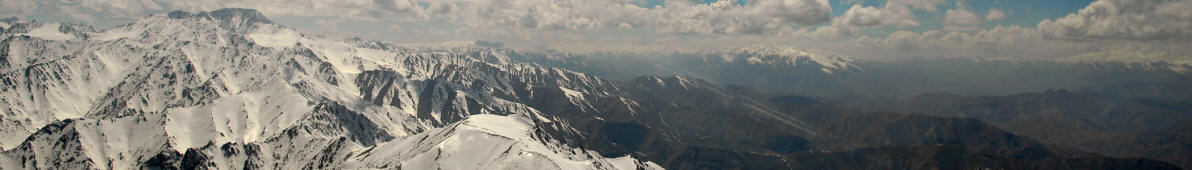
(786, 57)
(486, 142)
(229, 89)
(1161, 60)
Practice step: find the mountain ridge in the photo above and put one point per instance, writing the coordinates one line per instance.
(226, 90)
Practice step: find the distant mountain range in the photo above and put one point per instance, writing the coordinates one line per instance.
(790, 70)
(229, 89)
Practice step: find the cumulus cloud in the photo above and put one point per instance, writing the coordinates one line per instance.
(794, 11)
(863, 16)
(408, 10)
(766, 16)
(928, 5)
(935, 39)
(898, 13)
(622, 25)
(16, 7)
(961, 19)
(995, 14)
(534, 14)
(723, 17)
(92, 11)
(1139, 53)
(997, 42)
(1124, 20)
(82, 10)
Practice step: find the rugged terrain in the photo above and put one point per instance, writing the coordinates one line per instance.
(229, 89)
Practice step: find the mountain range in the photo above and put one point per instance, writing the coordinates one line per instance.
(230, 89)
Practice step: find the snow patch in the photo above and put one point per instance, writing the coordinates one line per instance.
(572, 94)
(275, 37)
(118, 33)
(828, 61)
(754, 60)
(627, 162)
(243, 118)
(508, 126)
(486, 142)
(188, 128)
(49, 31)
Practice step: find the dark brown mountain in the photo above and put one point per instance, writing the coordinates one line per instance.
(698, 125)
(1082, 120)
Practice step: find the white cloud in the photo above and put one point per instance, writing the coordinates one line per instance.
(898, 13)
(619, 25)
(723, 17)
(1124, 20)
(16, 7)
(101, 11)
(1139, 53)
(795, 11)
(766, 16)
(995, 14)
(928, 5)
(1000, 42)
(395, 28)
(961, 19)
(862, 16)
(348, 9)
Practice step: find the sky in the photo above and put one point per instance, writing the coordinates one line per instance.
(1145, 30)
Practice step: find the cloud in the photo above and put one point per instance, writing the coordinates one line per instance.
(995, 14)
(1014, 41)
(395, 28)
(961, 19)
(103, 11)
(16, 7)
(81, 10)
(1139, 53)
(1124, 20)
(898, 13)
(690, 25)
(864, 17)
(494, 16)
(407, 10)
(795, 11)
(928, 5)
(727, 17)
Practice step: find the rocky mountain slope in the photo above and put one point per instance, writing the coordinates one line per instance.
(1082, 120)
(229, 89)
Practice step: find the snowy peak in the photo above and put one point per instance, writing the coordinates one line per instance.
(764, 49)
(207, 82)
(1133, 59)
(777, 56)
(680, 82)
(177, 24)
(187, 26)
(487, 142)
(45, 30)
